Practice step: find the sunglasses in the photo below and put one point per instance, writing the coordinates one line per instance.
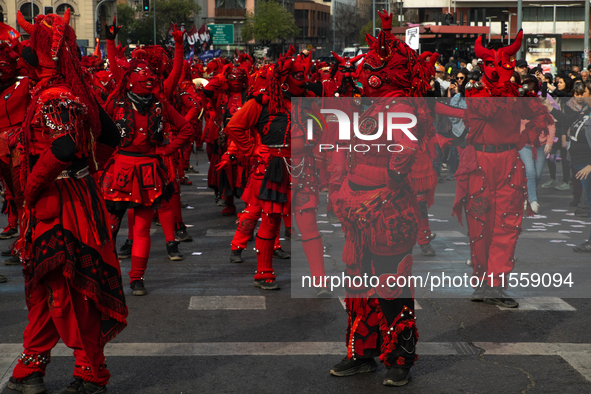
(460, 78)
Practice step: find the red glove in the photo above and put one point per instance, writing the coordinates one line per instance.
(261, 150)
(178, 35)
(386, 20)
(225, 163)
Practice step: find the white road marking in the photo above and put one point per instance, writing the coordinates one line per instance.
(125, 231)
(214, 232)
(578, 355)
(205, 303)
(541, 304)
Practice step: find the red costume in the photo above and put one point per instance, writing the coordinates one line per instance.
(16, 98)
(491, 183)
(227, 93)
(379, 212)
(72, 276)
(136, 176)
(282, 153)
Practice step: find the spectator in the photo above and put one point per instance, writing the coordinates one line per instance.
(515, 78)
(534, 162)
(549, 78)
(462, 64)
(580, 154)
(576, 69)
(521, 67)
(451, 65)
(584, 75)
(563, 88)
(458, 128)
(440, 77)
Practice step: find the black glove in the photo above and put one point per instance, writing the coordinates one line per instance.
(111, 31)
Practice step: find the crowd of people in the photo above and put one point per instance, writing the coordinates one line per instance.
(95, 140)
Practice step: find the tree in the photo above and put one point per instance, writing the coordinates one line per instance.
(141, 30)
(270, 21)
(348, 22)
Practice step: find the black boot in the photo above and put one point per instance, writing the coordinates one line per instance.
(397, 376)
(32, 384)
(348, 367)
(236, 256)
(291, 236)
(181, 233)
(125, 250)
(3, 278)
(13, 260)
(138, 288)
(79, 386)
(172, 248)
(427, 250)
(281, 254)
(496, 296)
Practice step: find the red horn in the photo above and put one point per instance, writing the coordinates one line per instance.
(371, 40)
(337, 57)
(481, 51)
(67, 16)
(23, 23)
(357, 58)
(513, 48)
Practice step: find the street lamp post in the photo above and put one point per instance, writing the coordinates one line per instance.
(154, 22)
(489, 19)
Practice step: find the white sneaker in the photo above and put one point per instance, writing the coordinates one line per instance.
(535, 207)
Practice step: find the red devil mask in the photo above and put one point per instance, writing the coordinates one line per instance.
(7, 64)
(236, 79)
(142, 80)
(391, 68)
(498, 63)
(293, 73)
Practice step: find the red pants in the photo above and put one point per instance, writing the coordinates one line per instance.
(59, 312)
(246, 225)
(311, 243)
(494, 211)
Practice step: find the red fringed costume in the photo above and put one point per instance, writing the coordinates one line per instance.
(72, 276)
(491, 183)
(281, 154)
(379, 210)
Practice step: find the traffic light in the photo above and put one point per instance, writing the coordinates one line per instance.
(146, 5)
(98, 28)
(503, 29)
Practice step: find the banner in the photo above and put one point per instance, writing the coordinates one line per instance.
(211, 54)
(412, 38)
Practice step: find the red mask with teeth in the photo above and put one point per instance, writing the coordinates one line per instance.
(295, 76)
(142, 80)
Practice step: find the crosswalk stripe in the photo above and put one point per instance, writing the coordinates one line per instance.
(541, 304)
(214, 232)
(204, 303)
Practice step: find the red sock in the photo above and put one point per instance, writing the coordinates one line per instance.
(130, 222)
(264, 246)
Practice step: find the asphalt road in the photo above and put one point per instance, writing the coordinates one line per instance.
(181, 340)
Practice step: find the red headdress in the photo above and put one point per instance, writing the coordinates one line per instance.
(155, 56)
(288, 76)
(344, 73)
(498, 63)
(428, 60)
(392, 68)
(53, 53)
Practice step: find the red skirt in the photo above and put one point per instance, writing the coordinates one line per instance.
(135, 180)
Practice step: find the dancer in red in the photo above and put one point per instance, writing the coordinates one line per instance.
(136, 176)
(72, 276)
(491, 183)
(227, 92)
(379, 212)
(281, 153)
(16, 97)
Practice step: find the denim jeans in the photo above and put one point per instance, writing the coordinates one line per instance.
(533, 169)
(586, 185)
